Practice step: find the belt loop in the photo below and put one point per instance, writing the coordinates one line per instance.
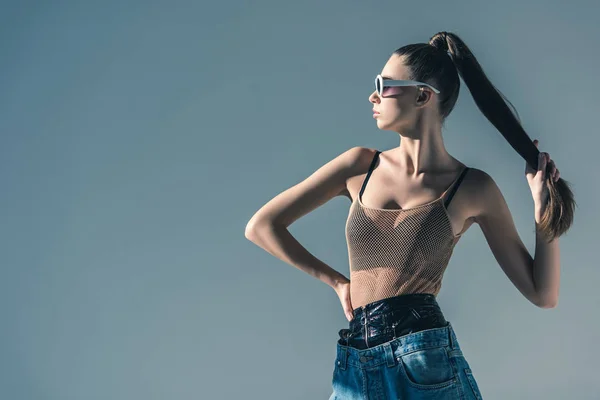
(450, 336)
(343, 358)
(389, 355)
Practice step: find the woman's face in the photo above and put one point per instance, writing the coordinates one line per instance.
(396, 104)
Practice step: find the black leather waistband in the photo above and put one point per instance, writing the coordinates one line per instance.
(397, 301)
(384, 320)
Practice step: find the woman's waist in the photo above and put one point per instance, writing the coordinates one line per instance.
(395, 309)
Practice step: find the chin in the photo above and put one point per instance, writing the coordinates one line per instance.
(382, 125)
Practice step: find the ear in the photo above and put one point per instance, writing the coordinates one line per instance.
(423, 96)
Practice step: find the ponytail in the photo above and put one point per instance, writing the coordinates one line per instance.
(439, 62)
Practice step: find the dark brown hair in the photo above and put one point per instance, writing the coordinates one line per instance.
(439, 64)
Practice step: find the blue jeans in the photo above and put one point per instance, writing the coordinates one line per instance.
(401, 348)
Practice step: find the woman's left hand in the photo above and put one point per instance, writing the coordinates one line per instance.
(537, 181)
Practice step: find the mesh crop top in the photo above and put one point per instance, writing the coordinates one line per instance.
(398, 251)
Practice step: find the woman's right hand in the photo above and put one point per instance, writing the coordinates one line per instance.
(343, 291)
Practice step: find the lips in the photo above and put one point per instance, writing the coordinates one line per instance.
(375, 111)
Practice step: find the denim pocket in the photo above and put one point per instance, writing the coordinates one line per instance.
(428, 368)
(473, 384)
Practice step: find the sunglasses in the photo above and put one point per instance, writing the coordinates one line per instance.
(381, 84)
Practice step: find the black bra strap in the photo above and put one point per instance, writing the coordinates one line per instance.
(455, 188)
(364, 184)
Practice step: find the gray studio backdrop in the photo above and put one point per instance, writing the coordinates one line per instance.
(138, 138)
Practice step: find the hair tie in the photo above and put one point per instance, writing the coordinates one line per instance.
(444, 47)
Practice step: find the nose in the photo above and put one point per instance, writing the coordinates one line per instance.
(373, 97)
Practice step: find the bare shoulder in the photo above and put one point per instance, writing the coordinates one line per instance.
(357, 156)
(482, 190)
(353, 161)
(476, 177)
(360, 161)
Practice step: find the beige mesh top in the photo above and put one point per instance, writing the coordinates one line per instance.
(398, 251)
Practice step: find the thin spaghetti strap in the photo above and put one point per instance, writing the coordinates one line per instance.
(455, 187)
(364, 184)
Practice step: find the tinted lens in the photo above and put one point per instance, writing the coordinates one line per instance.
(378, 85)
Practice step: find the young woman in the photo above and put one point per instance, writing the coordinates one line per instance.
(402, 228)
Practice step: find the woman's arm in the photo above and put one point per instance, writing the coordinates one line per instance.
(546, 268)
(537, 279)
(268, 226)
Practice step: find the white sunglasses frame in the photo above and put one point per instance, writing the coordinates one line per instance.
(392, 82)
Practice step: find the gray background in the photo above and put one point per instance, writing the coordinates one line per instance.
(138, 138)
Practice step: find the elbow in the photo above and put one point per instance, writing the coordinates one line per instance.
(252, 227)
(259, 227)
(249, 232)
(551, 302)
